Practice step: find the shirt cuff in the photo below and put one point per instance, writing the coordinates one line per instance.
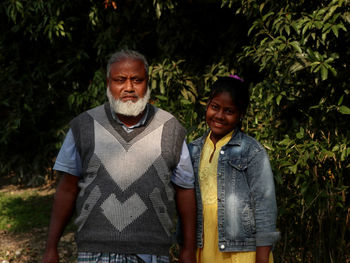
(62, 168)
(183, 175)
(266, 238)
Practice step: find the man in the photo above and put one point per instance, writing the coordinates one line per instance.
(126, 169)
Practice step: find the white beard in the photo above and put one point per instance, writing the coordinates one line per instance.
(128, 108)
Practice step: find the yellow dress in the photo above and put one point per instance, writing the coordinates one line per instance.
(210, 252)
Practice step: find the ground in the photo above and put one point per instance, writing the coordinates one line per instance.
(29, 247)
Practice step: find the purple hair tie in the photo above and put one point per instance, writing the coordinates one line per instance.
(236, 77)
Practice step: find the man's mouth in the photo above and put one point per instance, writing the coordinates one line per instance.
(129, 97)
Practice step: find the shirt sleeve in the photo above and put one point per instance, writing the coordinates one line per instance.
(183, 175)
(68, 159)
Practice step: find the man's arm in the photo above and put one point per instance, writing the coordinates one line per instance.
(62, 210)
(186, 206)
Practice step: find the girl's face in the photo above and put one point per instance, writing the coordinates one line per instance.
(222, 116)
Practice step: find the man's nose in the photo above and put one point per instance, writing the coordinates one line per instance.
(129, 86)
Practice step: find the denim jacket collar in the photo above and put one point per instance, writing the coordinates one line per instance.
(236, 139)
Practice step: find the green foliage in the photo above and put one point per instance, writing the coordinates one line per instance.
(93, 96)
(300, 113)
(293, 54)
(175, 91)
(52, 61)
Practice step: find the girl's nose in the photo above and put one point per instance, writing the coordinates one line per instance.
(219, 114)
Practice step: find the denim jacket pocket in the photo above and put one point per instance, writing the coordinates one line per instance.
(238, 164)
(248, 219)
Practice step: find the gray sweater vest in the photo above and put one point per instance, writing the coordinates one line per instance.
(126, 200)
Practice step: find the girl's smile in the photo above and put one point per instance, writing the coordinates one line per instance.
(222, 116)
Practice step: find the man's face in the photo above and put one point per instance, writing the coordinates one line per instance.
(128, 80)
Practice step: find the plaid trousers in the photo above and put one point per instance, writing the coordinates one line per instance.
(89, 257)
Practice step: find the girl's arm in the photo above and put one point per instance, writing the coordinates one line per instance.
(262, 189)
(262, 254)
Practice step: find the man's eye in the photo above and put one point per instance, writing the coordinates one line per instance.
(119, 80)
(137, 80)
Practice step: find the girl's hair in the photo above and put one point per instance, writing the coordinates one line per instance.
(237, 89)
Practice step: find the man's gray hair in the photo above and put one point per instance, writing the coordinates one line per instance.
(126, 54)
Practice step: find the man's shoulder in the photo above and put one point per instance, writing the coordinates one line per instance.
(163, 115)
(98, 110)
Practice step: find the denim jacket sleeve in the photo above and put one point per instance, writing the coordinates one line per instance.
(260, 180)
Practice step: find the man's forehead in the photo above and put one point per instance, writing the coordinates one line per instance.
(129, 61)
(129, 65)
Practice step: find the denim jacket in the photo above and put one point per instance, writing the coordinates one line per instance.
(246, 201)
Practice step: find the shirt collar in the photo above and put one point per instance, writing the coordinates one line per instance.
(130, 128)
(224, 140)
(236, 138)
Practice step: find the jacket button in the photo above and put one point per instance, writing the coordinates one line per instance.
(222, 152)
(222, 247)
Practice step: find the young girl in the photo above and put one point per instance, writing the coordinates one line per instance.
(236, 205)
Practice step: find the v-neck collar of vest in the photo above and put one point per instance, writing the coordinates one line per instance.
(136, 131)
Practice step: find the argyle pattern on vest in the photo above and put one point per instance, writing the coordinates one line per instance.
(126, 200)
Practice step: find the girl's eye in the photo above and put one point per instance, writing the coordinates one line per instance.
(213, 106)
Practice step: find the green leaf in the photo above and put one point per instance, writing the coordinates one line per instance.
(340, 101)
(324, 72)
(185, 102)
(293, 168)
(301, 133)
(255, 24)
(344, 155)
(335, 30)
(162, 88)
(335, 148)
(267, 15)
(342, 27)
(286, 141)
(344, 110)
(261, 7)
(296, 46)
(161, 97)
(278, 99)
